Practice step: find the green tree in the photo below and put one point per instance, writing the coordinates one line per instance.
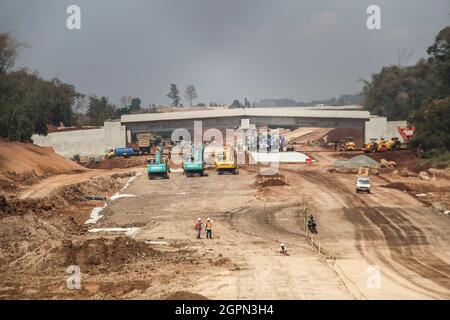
(174, 95)
(432, 123)
(440, 58)
(99, 110)
(396, 92)
(236, 104)
(135, 105)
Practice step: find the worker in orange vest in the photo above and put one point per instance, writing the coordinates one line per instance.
(208, 228)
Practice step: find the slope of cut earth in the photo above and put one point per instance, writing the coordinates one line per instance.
(22, 157)
(49, 185)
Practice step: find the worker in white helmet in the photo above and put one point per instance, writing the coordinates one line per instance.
(198, 228)
(208, 228)
(283, 249)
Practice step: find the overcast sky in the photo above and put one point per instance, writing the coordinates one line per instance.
(228, 49)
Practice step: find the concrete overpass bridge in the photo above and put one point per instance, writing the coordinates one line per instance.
(165, 123)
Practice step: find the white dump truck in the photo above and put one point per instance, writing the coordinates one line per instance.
(363, 183)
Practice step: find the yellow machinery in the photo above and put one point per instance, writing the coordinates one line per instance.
(349, 145)
(226, 161)
(109, 154)
(372, 146)
(388, 145)
(382, 145)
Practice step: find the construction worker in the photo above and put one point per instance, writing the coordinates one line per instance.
(198, 227)
(283, 250)
(312, 225)
(208, 228)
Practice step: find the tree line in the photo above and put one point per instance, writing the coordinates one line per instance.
(29, 103)
(419, 93)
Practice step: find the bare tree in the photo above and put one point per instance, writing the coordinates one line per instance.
(9, 49)
(125, 101)
(190, 94)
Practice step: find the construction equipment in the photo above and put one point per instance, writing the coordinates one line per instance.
(388, 145)
(370, 147)
(156, 167)
(109, 154)
(348, 145)
(194, 163)
(407, 133)
(226, 161)
(382, 145)
(146, 141)
(124, 152)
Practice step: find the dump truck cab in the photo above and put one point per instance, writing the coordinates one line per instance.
(363, 184)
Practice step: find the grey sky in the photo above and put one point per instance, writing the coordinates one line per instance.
(228, 49)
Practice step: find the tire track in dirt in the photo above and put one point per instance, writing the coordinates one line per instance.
(405, 240)
(260, 222)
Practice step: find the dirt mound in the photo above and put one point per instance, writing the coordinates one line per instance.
(106, 253)
(109, 164)
(270, 183)
(63, 197)
(403, 158)
(184, 295)
(340, 134)
(397, 185)
(25, 157)
(356, 162)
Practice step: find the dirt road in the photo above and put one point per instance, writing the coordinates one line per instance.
(246, 233)
(388, 229)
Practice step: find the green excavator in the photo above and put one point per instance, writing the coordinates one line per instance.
(194, 163)
(156, 167)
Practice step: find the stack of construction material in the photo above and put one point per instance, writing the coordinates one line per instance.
(356, 162)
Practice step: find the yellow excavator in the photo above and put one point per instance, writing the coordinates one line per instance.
(226, 161)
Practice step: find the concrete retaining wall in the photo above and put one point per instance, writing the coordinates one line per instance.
(379, 127)
(85, 143)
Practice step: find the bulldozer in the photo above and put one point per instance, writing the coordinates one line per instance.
(388, 145)
(382, 145)
(226, 161)
(371, 146)
(349, 145)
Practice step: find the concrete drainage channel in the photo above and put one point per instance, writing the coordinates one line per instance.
(96, 215)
